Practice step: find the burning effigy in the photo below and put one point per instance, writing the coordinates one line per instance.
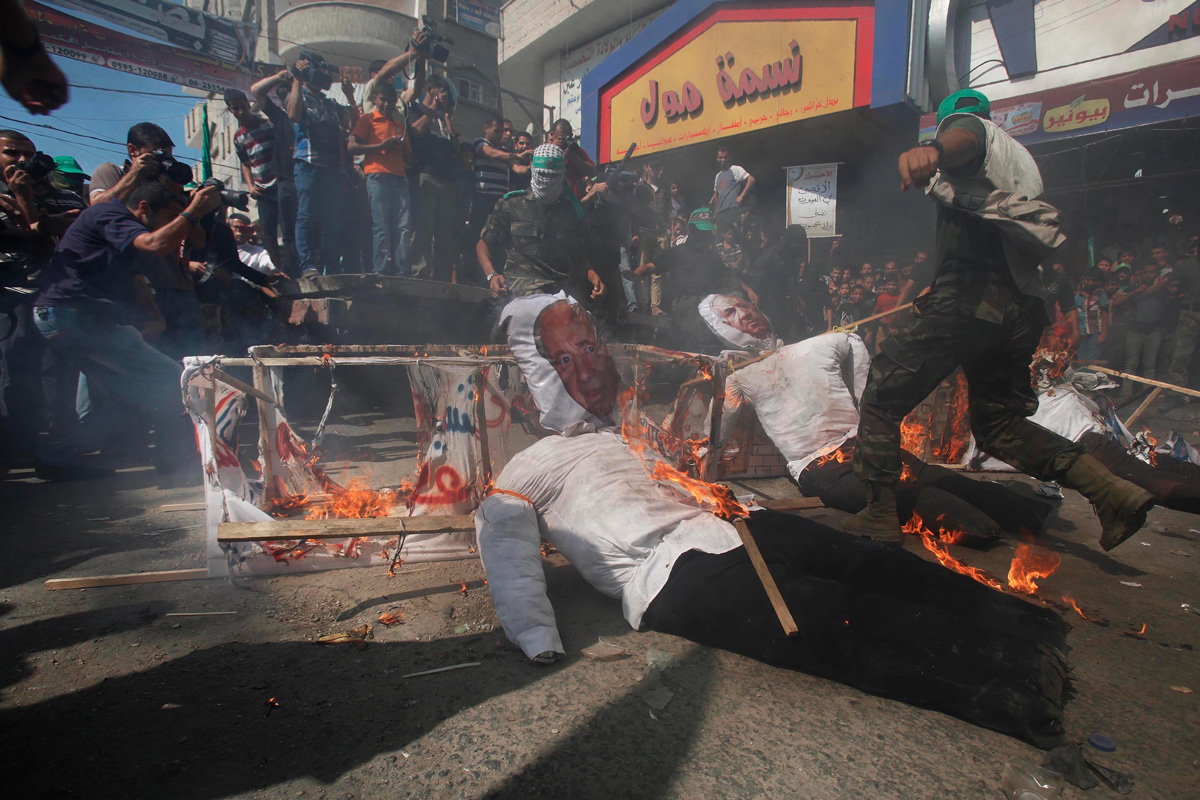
(666, 545)
(806, 398)
(1074, 404)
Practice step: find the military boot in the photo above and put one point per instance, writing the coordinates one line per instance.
(1120, 505)
(879, 519)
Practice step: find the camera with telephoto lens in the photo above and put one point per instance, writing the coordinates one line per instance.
(229, 198)
(432, 47)
(318, 73)
(38, 167)
(621, 180)
(178, 172)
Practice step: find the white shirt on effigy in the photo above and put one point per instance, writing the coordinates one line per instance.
(620, 529)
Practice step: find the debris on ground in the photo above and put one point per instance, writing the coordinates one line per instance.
(1119, 782)
(603, 651)
(661, 659)
(355, 636)
(442, 669)
(392, 618)
(1067, 760)
(653, 691)
(1025, 781)
(1134, 584)
(1049, 489)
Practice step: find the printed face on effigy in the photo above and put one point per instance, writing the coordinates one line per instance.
(567, 337)
(737, 313)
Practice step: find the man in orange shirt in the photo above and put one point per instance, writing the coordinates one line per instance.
(382, 140)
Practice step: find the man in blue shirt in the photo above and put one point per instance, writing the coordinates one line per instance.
(83, 311)
(321, 129)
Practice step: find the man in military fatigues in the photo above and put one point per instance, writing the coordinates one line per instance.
(984, 312)
(1187, 330)
(541, 234)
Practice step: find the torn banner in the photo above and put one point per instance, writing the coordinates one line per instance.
(452, 473)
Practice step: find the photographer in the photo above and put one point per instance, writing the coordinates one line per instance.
(435, 154)
(151, 160)
(87, 292)
(321, 129)
(34, 214)
(580, 166)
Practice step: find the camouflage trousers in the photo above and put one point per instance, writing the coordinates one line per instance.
(991, 331)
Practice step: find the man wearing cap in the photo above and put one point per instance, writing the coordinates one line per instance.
(985, 313)
(70, 176)
(541, 233)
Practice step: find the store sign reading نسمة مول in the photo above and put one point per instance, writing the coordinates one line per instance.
(736, 77)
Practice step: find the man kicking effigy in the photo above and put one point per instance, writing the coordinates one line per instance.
(985, 313)
(806, 398)
(871, 616)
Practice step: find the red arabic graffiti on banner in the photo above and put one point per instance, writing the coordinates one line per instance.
(70, 37)
(1154, 94)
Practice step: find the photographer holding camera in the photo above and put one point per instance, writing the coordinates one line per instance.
(435, 151)
(151, 160)
(83, 309)
(580, 166)
(322, 125)
(33, 214)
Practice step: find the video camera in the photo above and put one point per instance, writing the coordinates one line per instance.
(178, 172)
(621, 181)
(319, 72)
(229, 198)
(38, 167)
(432, 46)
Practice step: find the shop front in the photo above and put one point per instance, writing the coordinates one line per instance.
(783, 84)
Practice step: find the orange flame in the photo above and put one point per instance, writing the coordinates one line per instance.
(1029, 566)
(462, 588)
(1071, 602)
(1053, 355)
(841, 455)
(1150, 450)
(712, 497)
(1143, 630)
(354, 501)
(916, 526)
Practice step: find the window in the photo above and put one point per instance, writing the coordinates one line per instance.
(468, 90)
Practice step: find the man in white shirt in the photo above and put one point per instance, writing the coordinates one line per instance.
(251, 255)
(730, 188)
(871, 616)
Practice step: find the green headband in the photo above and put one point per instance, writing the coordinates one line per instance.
(550, 163)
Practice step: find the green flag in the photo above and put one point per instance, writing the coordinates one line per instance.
(206, 164)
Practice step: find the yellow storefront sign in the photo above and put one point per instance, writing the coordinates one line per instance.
(735, 77)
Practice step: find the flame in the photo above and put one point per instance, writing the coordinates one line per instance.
(952, 451)
(354, 501)
(462, 588)
(936, 544)
(912, 439)
(1150, 450)
(1053, 355)
(1029, 566)
(712, 497)
(1143, 630)
(1071, 602)
(840, 456)
(391, 617)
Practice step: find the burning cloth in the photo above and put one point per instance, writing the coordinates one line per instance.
(871, 616)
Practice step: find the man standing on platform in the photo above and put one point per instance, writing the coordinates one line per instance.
(984, 313)
(730, 188)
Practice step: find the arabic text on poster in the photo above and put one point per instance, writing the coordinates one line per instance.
(812, 199)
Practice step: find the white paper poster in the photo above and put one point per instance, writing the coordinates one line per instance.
(812, 199)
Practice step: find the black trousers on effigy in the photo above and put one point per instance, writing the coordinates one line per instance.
(1175, 484)
(838, 486)
(880, 619)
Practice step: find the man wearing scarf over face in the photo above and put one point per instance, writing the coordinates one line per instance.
(538, 236)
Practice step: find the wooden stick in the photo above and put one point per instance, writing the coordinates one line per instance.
(481, 425)
(286, 529)
(1145, 404)
(183, 506)
(241, 386)
(200, 614)
(266, 434)
(872, 318)
(1139, 379)
(792, 503)
(764, 575)
(442, 669)
(163, 576)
